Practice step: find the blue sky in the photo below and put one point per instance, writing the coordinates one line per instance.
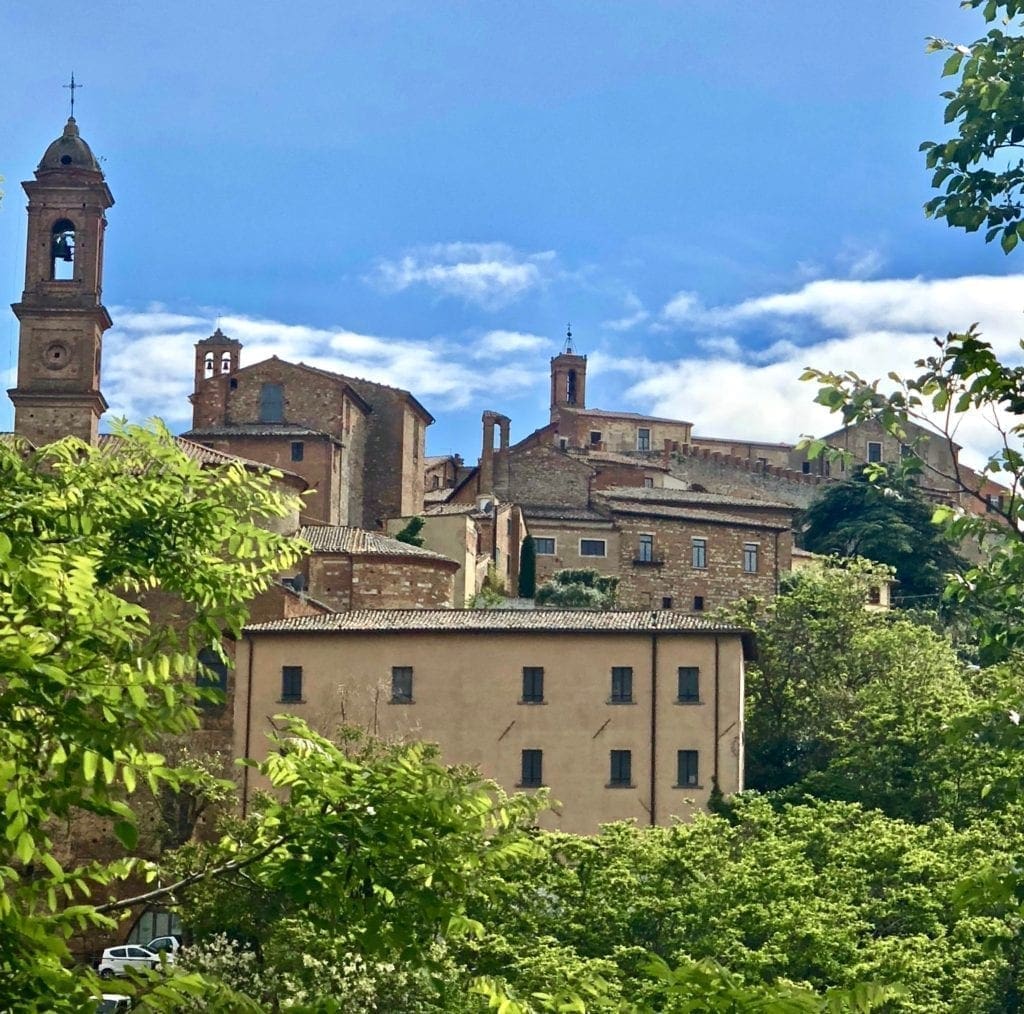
(715, 194)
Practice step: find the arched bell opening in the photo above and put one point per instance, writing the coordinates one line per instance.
(62, 250)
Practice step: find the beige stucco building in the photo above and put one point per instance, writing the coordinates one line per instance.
(622, 715)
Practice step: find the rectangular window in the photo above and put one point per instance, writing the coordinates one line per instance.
(297, 450)
(874, 450)
(533, 685)
(666, 602)
(291, 683)
(645, 549)
(595, 436)
(805, 467)
(699, 553)
(689, 684)
(643, 439)
(401, 684)
(648, 482)
(271, 403)
(994, 503)
(544, 547)
(698, 603)
(592, 547)
(532, 770)
(621, 773)
(688, 774)
(622, 684)
(750, 557)
(211, 674)
(563, 443)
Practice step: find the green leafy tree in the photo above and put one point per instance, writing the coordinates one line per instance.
(90, 681)
(978, 169)
(410, 534)
(887, 523)
(578, 589)
(528, 568)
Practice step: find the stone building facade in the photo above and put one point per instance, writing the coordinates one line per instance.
(358, 444)
(624, 715)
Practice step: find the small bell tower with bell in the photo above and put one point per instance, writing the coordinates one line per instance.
(61, 314)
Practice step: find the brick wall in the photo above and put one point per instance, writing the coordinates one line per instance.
(541, 475)
(618, 434)
(344, 582)
(672, 575)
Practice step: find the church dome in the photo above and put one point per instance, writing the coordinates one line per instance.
(69, 151)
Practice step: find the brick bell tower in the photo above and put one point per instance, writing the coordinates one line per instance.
(61, 316)
(568, 378)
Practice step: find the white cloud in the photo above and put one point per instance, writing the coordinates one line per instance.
(869, 327)
(683, 306)
(490, 275)
(860, 262)
(635, 314)
(500, 343)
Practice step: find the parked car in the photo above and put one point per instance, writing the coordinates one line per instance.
(114, 1003)
(168, 946)
(116, 960)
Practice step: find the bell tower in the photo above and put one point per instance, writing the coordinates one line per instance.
(61, 316)
(568, 378)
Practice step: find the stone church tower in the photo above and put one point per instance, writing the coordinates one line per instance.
(61, 316)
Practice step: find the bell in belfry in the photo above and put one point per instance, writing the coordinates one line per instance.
(62, 248)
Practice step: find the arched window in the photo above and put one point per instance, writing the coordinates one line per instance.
(570, 388)
(272, 403)
(62, 250)
(208, 364)
(225, 362)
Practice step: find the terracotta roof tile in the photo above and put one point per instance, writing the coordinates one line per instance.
(680, 497)
(360, 542)
(553, 621)
(657, 510)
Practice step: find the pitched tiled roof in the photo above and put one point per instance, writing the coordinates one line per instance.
(647, 460)
(360, 542)
(657, 510)
(438, 495)
(679, 497)
(449, 509)
(554, 513)
(601, 413)
(541, 621)
(364, 389)
(256, 430)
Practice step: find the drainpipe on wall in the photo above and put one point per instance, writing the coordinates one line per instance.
(654, 727)
(717, 719)
(250, 648)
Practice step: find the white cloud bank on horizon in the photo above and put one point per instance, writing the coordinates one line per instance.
(148, 366)
(489, 275)
(736, 388)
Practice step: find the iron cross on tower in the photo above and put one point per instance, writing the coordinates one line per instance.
(72, 88)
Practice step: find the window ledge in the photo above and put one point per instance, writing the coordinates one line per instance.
(620, 785)
(402, 700)
(531, 785)
(291, 700)
(687, 703)
(610, 701)
(648, 563)
(687, 786)
(522, 701)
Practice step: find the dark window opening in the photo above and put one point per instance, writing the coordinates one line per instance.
(592, 547)
(666, 602)
(698, 603)
(805, 467)
(621, 773)
(211, 674)
(875, 595)
(699, 553)
(570, 388)
(874, 451)
(291, 683)
(595, 437)
(532, 769)
(687, 772)
(271, 403)
(544, 547)
(298, 449)
(643, 439)
(533, 685)
(622, 684)
(62, 251)
(689, 684)
(233, 384)
(645, 549)
(401, 684)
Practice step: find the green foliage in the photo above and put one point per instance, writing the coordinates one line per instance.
(410, 534)
(359, 856)
(528, 568)
(492, 594)
(890, 524)
(89, 681)
(980, 179)
(578, 589)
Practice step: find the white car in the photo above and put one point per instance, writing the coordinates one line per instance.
(114, 1003)
(168, 946)
(116, 960)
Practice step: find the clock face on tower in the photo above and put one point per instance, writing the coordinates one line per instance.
(56, 356)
